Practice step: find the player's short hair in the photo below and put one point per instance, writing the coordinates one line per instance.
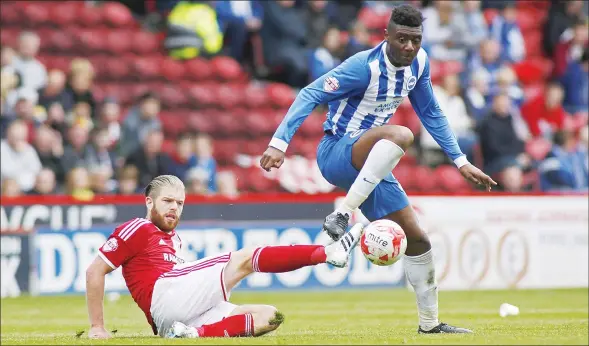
(153, 188)
(406, 15)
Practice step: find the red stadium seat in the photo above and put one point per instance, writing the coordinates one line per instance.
(201, 96)
(88, 16)
(280, 95)
(538, 148)
(92, 40)
(172, 96)
(200, 122)
(59, 41)
(118, 42)
(255, 96)
(117, 69)
(10, 14)
(533, 43)
(225, 68)
(146, 67)
(64, 14)
(257, 182)
(311, 125)
(117, 15)
(450, 179)
(425, 180)
(533, 70)
(36, 14)
(198, 69)
(231, 96)
(144, 43)
(172, 70)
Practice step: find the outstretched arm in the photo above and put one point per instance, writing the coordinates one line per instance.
(435, 122)
(352, 76)
(95, 275)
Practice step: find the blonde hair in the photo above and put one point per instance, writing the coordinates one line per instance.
(153, 188)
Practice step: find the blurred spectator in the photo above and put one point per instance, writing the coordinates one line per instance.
(7, 57)
(100, 182)
(110, 113)
(345, 12)
(475, 22)
(506, 31)
(56, 118)
(506, 82)
(141, 119)
(19, 160)
(487, 61)
(237, 19)
(561, 16)
(196, 182)
(317, 21)
(565, 166)
(49, 147)
(183, 159)
(451, 102)
(9, 81)
(33, 73)
(187, 38)
(81, 115)
(544, 114)
(476, 96)
(570, 47)
(75, 151)
(45, 183)
(445, 32)
(502, 148)
(55, 91)
(575, 82)
(284, 37)
(149, 158)
(78, 184)
(325, 58)
(227, 184)
(98, 157)
(10, 188)
(206, 166)
(359, 39)
(80, 82)
(128, 180)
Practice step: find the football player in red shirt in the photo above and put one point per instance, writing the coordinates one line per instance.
(190, 299)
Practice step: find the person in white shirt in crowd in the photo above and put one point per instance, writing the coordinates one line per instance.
(445, 32)
(32, 72)
(18, 159)
(452, 104)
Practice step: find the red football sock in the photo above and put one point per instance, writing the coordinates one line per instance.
(280, 259)
(232, 326)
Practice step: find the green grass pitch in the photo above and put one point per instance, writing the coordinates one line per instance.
(555, 317)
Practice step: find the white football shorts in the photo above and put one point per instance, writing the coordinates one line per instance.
(192, 293)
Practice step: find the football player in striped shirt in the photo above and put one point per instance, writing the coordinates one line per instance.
(359, 150)
(191, 299)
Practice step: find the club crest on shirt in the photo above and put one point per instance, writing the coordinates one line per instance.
(330, 84)
(110, 245)
(411, 81)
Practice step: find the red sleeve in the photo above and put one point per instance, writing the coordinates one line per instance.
(124, 243)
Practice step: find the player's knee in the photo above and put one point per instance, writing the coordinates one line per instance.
(399, 135)
(417, 241)
(242, 259)
(266, 319)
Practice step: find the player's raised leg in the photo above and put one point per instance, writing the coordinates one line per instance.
(421, 274)
(374, 154)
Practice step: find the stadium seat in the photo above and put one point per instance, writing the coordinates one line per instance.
(257, 182)
(450, 179)
(311, 125)
(91, 40)
(172, 96)
(88, 16)
(231, 96)
(197, 69)
(538, 148)
(256, 123)
(118, 42)
(171, 69)
(64, 14)
(37, 14)
(200, 122)
(58, 41)
(10, 14)
(146, 67)
(143, 43)
(280, 95)
(225, 68)
(201, 96)
(425, 180)
(116, 14)
(533, 70)
(255, 96)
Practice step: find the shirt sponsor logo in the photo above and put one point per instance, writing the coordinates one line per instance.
(388, 107)
(330, 84)
(110, 245)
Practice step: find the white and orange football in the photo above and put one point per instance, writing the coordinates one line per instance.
(383, 242)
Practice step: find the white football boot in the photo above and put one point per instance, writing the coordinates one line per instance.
(339, 252)
(180, 330)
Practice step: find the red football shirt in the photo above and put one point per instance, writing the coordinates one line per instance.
(145, 252)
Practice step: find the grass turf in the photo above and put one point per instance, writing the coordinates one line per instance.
(554, 317)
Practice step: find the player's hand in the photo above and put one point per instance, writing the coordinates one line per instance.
(272, 157)
(475, 175)
(98, 333)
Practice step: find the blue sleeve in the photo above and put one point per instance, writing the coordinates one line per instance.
(257, 10)
(347, 79)
(428, 110)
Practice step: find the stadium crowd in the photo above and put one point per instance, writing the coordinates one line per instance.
(80, 116)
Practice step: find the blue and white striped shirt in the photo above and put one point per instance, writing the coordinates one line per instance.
(364, 92)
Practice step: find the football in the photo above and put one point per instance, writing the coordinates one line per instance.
(383, 242)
